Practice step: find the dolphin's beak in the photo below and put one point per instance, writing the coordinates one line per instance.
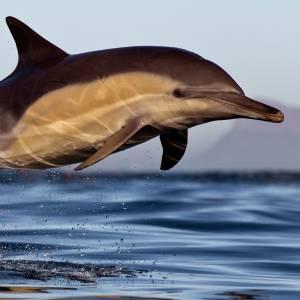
(244, 107)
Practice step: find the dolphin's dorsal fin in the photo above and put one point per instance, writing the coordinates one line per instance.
(32, 48)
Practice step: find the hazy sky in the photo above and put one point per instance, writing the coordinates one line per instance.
(257, 42)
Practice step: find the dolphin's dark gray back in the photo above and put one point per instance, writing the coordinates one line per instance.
(43, 67)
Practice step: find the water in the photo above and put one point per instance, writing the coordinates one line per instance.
(213, 236)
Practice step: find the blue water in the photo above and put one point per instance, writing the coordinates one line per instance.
(217, 236)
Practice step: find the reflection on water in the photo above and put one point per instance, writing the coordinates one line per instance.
(30, 289)
(213, 236)
(25, 290)
(245, 296)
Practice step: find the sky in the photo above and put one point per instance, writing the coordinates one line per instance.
(257, 42)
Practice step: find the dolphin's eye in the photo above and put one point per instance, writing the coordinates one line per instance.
(178, 93)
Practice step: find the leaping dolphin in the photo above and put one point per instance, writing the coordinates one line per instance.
(59, 109)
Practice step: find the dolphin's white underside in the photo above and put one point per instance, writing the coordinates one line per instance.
(69, 124)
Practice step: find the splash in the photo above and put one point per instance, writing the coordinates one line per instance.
(45, 270)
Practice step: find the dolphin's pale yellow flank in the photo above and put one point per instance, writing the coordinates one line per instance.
(76, 120)
(59, 109)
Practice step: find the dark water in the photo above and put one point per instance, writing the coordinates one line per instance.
(229, 237)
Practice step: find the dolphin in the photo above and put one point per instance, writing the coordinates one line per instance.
(59, 109)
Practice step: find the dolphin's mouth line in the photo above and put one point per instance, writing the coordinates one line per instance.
(271, 117)
(259, 111)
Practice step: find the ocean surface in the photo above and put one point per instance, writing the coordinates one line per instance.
(149, 236)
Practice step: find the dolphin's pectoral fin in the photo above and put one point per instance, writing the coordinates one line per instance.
(174, 144)
(113, 143)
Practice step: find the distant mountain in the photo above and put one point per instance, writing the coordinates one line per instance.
(252, 145)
